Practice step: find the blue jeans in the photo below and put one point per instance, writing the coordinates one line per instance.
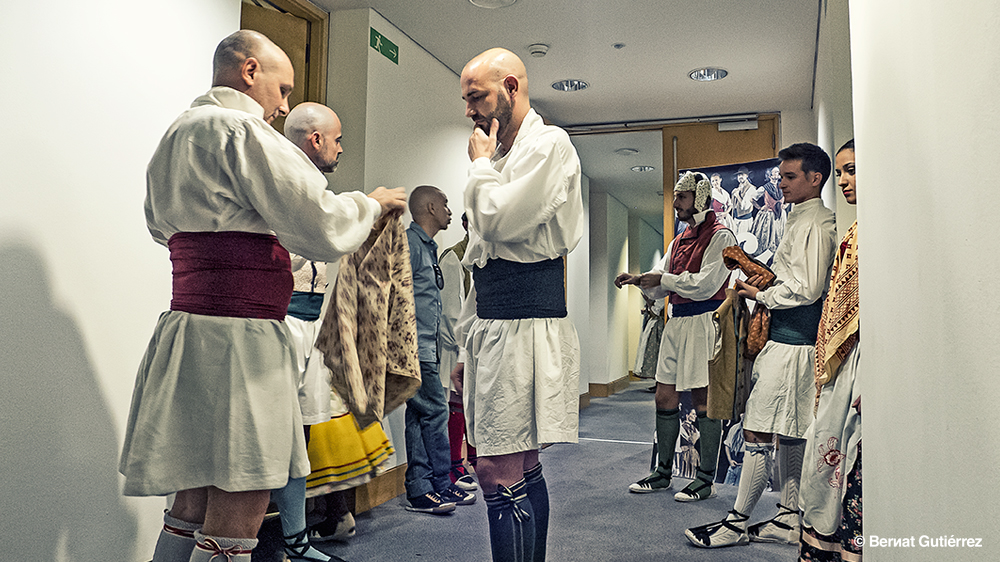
(428, 455)
(733, 475)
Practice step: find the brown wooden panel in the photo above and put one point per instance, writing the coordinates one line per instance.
(702, 145)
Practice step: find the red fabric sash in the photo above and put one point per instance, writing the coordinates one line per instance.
(237, 274)
(687, 252)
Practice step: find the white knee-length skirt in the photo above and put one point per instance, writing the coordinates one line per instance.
(783, 392)
(522, 384)
(687, 345)
(314, 376)
(214, 404)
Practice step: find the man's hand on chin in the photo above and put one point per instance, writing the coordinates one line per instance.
(482, 144)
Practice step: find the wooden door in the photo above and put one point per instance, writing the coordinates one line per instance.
(702, 144)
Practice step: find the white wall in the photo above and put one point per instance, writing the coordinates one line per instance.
(578, 295)
(89, 89)
(417, 130)
(927, 121)
(394, 137)
(347, 94)
(834, 113)
(609, 245)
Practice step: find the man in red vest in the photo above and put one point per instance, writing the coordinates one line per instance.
(692, 273)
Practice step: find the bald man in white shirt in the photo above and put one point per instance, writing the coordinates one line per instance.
(521, 368)
(214, 414)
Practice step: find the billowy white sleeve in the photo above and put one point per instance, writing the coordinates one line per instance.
(661, 266)
(279, 182)
(465, 320)
(804, 277)
(451, 299)
(711, 275)
(511, 212)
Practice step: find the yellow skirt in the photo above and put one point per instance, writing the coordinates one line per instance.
(342, 455)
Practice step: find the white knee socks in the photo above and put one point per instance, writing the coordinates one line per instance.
(176, 540)
(753, 479)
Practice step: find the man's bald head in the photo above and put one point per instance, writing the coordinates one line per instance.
(429, 209)
(495, 64)
(251, 63)
(495, 86)
(316, 129)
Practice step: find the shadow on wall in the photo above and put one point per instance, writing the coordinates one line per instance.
(59, 491)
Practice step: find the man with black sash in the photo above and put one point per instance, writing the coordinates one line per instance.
(521, 354)
(215, 416)
(693, 274)
(781, 402)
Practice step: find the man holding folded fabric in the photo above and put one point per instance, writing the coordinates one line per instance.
(522, 355)
(781, 402)
(692, 272)
(214, 415)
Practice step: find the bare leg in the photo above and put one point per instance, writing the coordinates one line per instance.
(504, 469)
(508, 509)
(667, 397)
(189, 505)
(177, 538)
(235, 514)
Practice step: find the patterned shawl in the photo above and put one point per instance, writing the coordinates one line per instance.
(369, 334)
(838, 328)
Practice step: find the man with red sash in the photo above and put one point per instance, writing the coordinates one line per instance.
(215, 417)
(693, 274)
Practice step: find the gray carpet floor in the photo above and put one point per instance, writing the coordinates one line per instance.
(593, 516)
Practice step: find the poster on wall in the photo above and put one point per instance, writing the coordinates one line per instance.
(746, 198)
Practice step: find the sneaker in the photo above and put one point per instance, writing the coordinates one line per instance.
(339, 530)
(720, 534)
(457, 495)
(777, 529)
(429, 503)
(655, 482)
(467, 483)
(696, 491)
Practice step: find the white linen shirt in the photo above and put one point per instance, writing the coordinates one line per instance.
(525, 206)
(706, 282)
(804, 257)
(221, 167)
(529, 211)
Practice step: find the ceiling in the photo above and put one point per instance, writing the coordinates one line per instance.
(767, 46)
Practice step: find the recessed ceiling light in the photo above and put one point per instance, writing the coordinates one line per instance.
(492, 3)
(642, 168)
(627, 151)
(707, 74)
(570, 85)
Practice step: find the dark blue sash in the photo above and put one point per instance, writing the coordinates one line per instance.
(796, 326)
(694, 308)
(508, 290)
(305, 306)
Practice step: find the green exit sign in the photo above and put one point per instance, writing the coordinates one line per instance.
(384, 46)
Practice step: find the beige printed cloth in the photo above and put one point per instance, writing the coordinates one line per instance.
(369, 333)
(838, 327)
